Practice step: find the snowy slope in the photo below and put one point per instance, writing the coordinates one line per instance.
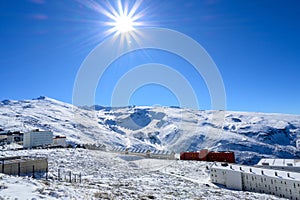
(108, 175)
(250, 135)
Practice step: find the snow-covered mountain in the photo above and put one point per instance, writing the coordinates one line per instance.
(250, 135)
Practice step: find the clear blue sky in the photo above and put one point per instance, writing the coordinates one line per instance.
(255, 44)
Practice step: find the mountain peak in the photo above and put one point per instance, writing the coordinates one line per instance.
(40, 98)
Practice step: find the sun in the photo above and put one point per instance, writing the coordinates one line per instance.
(119, 17)
(124, 17)
(124, 24)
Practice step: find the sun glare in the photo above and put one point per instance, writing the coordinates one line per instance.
(123, 17)
(120, 18)
(124, 24)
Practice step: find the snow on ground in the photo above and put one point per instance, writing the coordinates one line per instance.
(108, 175)
(112, 176)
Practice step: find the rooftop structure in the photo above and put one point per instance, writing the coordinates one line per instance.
(280, 164)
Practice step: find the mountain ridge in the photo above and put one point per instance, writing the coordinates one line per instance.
(251, 135)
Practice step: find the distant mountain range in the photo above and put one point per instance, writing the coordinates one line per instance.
(250, 135)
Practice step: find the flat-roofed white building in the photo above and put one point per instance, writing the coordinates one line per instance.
(298, 144)
(37, 138)
(280, 164)
(250, 178)
(60, 141)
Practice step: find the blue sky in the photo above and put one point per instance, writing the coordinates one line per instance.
(255, 45)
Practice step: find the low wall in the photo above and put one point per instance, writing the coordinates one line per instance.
(23, 166)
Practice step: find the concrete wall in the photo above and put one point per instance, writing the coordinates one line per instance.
(24, 166)
(234, 180)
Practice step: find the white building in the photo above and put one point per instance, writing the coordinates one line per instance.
(280, 164)
(250, 178)
(37, 138)
(298, 144)
(60, 141)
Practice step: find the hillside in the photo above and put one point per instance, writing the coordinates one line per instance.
(250, 135)
(107, 175)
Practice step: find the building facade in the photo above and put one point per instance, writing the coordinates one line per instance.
(210, 156)
(280, 183)
(37, 138)
(60, 141)
(298, 144)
